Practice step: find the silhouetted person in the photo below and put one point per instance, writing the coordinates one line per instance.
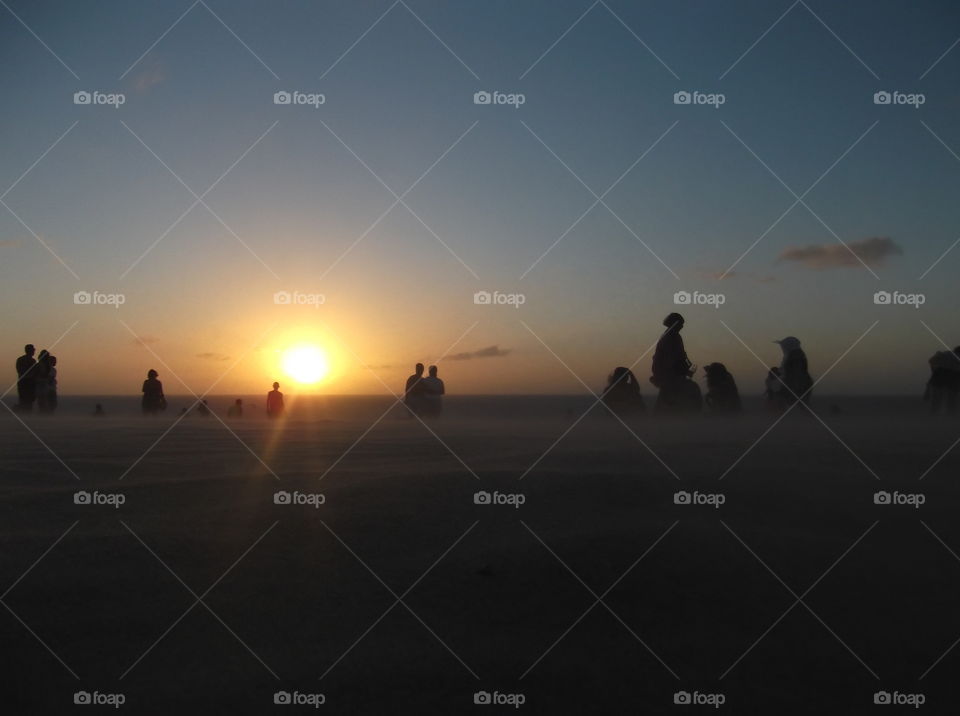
(414, 390)
(944, 383)
(43, 372)
(275, 402)
(26, 387)
(98, 411)
(203, 409)
(771, 388)
(236, 410)
(433, 393)
(153, 399)
(796, 383)
(51, 395)
(672, 370)
(622, 394)
(722, 394)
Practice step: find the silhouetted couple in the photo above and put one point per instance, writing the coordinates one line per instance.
(424, 396)
(944, 383)
(36, 381)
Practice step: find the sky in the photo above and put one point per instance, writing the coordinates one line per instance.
(783, 197)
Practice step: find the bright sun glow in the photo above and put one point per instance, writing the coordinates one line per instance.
(305, 364)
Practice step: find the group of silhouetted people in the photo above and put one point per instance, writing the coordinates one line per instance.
(36, 380)
(424, 395)
(672, 374)
(678, 392)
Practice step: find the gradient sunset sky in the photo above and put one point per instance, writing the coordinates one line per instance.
(300, 193)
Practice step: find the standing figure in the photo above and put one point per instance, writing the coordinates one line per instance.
(944, 383)
(153, 399)
(672, 370)
(433, 393)
(414, 390)
(26, 392)
(275, 402)
(796, 383)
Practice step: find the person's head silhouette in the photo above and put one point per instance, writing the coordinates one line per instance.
(152, 373)
(674, 322)
(29, 349)
(433, 371)
(239, 401)
(276, 386)
(419, 369)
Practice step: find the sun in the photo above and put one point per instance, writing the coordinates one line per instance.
(305, 364)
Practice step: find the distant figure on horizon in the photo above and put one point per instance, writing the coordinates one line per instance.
(622, 394)
(722, 394)
(153, 399)
(26, 390)
(98, 411)
(203, 409)
(236, 410)
(795, 381)
(672, 370)
(433, 393)
(414, 390)
(944, 383)
(771, 388)
(275, 402)
(44, 372)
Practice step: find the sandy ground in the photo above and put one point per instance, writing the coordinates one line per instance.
(495, 598)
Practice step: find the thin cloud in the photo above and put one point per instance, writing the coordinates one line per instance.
(488, 352)
(213, 356)
(9, 243)
(142, 341)
(724, 275)
(872, 252)
(148, 78)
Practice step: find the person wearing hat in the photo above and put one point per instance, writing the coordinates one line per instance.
(796, 383)
(672, 370)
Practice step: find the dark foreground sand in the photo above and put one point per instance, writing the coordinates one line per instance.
(487, 590)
